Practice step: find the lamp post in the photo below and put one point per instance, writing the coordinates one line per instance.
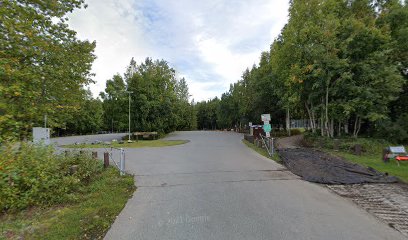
(129, 92)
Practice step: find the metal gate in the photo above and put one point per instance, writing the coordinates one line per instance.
(118, 157)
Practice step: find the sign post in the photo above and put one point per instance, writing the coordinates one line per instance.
(267, 126)
(266, 117)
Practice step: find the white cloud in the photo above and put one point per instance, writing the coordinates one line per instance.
(209, 42)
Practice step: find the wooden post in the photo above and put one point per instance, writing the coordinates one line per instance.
(94, 155)
(385, 155)
(336, 144)
(357, 149)
(105, 159)
(73, 169)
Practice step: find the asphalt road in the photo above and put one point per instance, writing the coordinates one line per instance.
(87, 138)
(214, 187)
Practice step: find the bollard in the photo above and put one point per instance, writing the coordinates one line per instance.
(94, 155)
(122, 162)
(105, 159)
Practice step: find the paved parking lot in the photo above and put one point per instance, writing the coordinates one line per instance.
(214, 187)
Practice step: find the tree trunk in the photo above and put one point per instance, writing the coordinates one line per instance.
(326, 124)
(339, 129)
(331, 127)
(288, 121)
(346, 126)
(356, 126)
(322, 122)
(311, 117)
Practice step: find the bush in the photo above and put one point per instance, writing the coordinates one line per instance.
(34, 175)
(284, 133)
(346, 144)
(396, 132)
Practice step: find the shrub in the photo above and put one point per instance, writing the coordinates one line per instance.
(34, 175)
(396, 132)
(369, 145)
(284, 133)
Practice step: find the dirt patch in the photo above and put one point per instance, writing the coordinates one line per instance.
(289, 142)
(388, 202)
(316, 166)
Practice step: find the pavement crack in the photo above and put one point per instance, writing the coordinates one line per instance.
(215, 182)
(209, 172)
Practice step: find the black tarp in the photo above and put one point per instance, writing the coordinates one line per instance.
(316, 166)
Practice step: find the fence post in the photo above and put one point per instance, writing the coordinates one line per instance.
(122, 162)
(94, 155)
(272, 146)
(105, 159)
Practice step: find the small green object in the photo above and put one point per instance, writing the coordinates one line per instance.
(267, 127)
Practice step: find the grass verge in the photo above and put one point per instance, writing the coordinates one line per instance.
(371, 155)
(135, 144)
(375, 162)
(89, 216)
(262, 151)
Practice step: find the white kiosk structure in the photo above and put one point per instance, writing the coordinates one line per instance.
(41, 135)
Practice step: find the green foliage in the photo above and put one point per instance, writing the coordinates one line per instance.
(159, 101)
(284, 133)
(90, 217)
(375, 161)
(208, 115)
(262, 151)
(340, 64)
(43, 66)
(88, 118)
(346, 144)
(394, 131)
(34, 175)
(115, 104)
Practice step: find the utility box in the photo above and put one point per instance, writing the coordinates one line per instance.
(41, 135)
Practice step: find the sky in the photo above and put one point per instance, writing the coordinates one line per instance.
(210, 43)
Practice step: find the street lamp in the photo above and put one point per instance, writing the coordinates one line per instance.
(129, 92)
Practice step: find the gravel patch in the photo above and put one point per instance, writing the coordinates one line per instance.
(388, 202)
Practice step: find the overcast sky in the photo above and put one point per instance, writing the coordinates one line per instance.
(210, 43)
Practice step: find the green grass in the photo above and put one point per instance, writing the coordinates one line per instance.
(370, 157)
(135, 144)
(376, 162)
(88, 217)
(262, 151)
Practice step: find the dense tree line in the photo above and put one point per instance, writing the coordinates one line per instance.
(43, 66)
(159, 101)
(340, 64)
(44, 71)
